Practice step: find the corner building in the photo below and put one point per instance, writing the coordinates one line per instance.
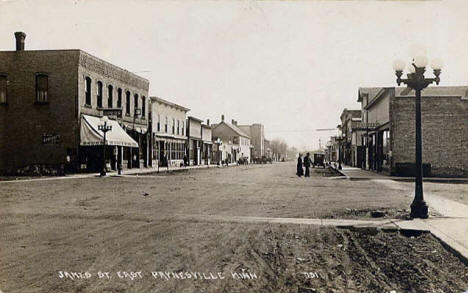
(50, 105)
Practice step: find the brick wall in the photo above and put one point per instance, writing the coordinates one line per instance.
(25, 122)
(445, 133)
(108, 74)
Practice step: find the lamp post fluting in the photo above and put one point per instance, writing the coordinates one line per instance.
(104, 128)
(416, 81)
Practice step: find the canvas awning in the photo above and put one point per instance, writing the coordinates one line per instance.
(91, 135)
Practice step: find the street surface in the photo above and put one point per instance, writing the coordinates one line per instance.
(133, 226)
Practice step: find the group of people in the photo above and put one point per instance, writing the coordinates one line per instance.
(306, 162)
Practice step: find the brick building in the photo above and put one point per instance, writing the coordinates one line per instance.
(50, 101)
(390, 116)
(169, 132)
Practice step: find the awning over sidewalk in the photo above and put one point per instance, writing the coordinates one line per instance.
(90, 134)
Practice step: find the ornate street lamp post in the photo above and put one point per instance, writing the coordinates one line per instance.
(418, 82)
(104, 128)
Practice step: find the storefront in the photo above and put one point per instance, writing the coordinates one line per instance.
(118, 145)
(168, 151)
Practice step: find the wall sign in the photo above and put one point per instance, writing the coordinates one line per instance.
(50, 138)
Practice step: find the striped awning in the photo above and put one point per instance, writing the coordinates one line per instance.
(90, 135)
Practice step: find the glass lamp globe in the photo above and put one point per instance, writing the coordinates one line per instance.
(417, 50)
(104, 119)
(437, 64)
(398, 65)
(420, 61)
(411, 68)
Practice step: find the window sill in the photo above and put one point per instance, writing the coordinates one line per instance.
(41, 103)
(87, 106)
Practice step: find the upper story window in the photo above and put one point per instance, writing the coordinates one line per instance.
(3, 89)
(178, 125)
(136, 101)
(143, 106)
(99, 94)
(127, 103)
(42, 88)
(165, 126)
(119, 98)
(183, 127)
(88, 91)
(110, 96)
(173, 126)
(159, 123)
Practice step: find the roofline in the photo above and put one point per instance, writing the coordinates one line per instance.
(157, 99)
(194, 118)
(229, 125)
(377, 97)
(80, 51)
(140, 77)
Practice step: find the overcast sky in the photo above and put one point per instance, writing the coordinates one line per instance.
(290, 65)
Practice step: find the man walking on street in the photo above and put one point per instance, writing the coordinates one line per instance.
(307, 162)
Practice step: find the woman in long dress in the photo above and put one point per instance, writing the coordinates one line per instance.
(300, 171)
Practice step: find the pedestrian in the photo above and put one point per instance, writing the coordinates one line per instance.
(300, 171)
(307, 162)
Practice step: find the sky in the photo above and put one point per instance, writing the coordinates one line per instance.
(291, 65)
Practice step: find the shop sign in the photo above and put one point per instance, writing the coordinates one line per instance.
(50, 138)
(112, 112)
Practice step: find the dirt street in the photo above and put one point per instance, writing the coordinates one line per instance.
(150, 233)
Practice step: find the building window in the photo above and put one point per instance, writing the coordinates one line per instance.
(178, 125)
(88, 91)
(110, 96)
(159, 123)
(3, 89)
(143, 106)
(127, 103)
(99, 94)
(173, 126)
(183, 127)
(136, 101)
(165, 126)
(119, 98)
(42, 87)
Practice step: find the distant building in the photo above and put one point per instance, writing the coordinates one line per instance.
(169, 132)
(194, 140)
(257, 138)
(236, 143)
(390, 127)
(207, 143)
(50, 105)
(349, 146)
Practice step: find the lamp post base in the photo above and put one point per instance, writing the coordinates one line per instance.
(103, 173)
(419, 210)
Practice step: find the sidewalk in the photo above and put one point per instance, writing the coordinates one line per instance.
(134, 171)
(451, 229)
(354, 173)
